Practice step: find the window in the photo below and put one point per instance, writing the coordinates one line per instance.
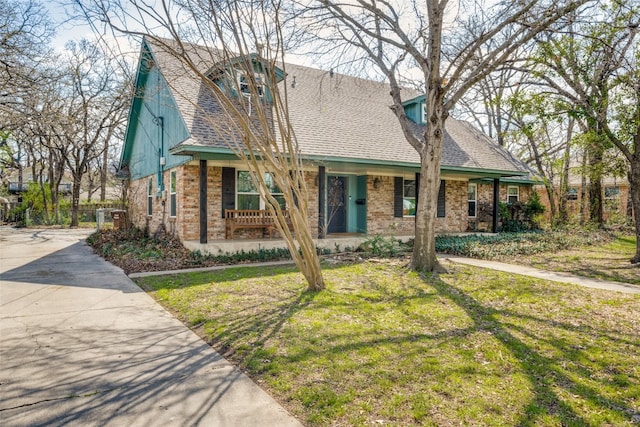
(513, 194)
(150, 197)
(244, 83)
(441, 211)
(409, 197)
(572, 193)
(473, 199)
(248, 196)
(424, 112)
(172, 194)
(611, 192)
(611, 198)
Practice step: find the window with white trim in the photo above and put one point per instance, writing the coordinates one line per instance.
(424, 112)
(150, 197)
(409, 197)
(173, 184)
(513, 193)
(247, 195)
(245, 85)
(472, 198)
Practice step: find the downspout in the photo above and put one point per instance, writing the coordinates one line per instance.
(496, 210)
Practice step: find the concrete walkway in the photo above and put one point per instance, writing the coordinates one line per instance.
(80, 344)
(546, 275)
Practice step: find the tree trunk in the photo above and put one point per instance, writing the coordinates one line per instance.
(424, 248)
(634, 193)
(75, 201)
(583, 188)
(595, 181)
(563, 214)
(103, 172)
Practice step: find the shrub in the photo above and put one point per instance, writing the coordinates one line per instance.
(513, 244)
(382, 246)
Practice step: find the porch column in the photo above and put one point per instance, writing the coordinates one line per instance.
(203, 201)
(496, 199)
(322, 202)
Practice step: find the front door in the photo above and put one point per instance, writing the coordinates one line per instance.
(336, 204)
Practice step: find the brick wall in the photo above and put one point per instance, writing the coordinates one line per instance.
(380, 219)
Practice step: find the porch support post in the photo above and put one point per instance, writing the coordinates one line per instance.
(496, 199)
(203, 201)
(322, 202)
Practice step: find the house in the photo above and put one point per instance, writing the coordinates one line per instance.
(615, 196)
(360, 171)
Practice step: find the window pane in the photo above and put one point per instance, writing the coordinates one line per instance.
(271, 184)
(472, 192)
(409, 188)
(244, 183)
(173, 182)
(281, 201)
(248, 201)
(173, 205)
(572, 193)
(513, 191)
(409, 207)
(472, 208)
(512, 199)
(611, 192)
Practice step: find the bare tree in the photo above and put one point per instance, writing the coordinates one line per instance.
(25, 31)
(233, 39)
(595, 67)
(452, 47)
(95, 106)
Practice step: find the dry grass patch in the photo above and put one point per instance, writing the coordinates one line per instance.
(609, 261)
(384, 346)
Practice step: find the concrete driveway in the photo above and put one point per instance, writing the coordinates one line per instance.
(80, 344)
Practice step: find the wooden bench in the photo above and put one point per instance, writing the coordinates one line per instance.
(243, 218)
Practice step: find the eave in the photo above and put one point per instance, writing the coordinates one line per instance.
(224, 153)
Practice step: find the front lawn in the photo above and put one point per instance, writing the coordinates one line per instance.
(385, 346)
(609, 261)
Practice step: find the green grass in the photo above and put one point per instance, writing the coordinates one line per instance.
(385, 346)
(609, 261)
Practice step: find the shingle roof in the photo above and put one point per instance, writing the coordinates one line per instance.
(334, 116)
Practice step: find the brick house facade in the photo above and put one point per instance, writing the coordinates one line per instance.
(347, 136)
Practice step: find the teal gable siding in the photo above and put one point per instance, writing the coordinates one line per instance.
(413, 109)
(155, 125)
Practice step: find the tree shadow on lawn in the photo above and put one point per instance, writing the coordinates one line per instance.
(544, 373)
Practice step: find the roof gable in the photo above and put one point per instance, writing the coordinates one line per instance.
(335, 117)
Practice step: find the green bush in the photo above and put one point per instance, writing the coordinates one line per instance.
(519, 216)
(382, 246)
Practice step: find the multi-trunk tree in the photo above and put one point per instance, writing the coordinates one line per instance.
(215, 44)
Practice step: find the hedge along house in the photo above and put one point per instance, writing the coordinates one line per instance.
(361, 173)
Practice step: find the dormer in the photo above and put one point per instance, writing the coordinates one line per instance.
(416, 110)
(232, 77)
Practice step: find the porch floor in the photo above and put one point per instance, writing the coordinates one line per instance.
(333, 242)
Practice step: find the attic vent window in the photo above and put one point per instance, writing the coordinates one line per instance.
(245, 85)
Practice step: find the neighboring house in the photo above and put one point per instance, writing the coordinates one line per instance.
(615, 197)
(361, 173)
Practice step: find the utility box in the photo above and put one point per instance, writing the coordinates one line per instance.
(99, 219)
(119, 219)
